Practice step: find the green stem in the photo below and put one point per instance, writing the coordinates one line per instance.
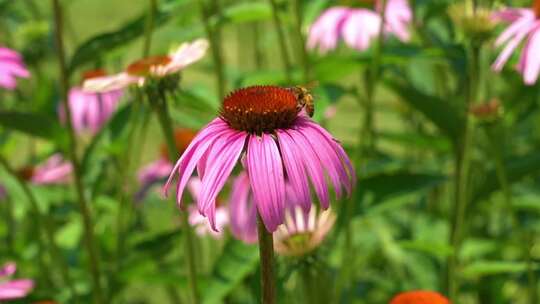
(45, 226)
(10, 223)
(149, 27)
(213, 35)
(257, 50)
(266, 253)
(281, 40)
(298, 18)
(531, 275)
(161, 110)
(72, 152)
(462, 176)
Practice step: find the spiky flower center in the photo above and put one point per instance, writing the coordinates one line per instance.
(93, 74)
(536, 8)
(145, 66)
(182, 139)
(260, 109)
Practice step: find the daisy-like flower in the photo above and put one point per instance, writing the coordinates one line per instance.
(358, 27)
(55, 170)
(524, 24)
(280, 144)
(150, 67)
(419, 297)
(90, 111)
(302, 231)
(160, 169)
(11, 67)
(13, 289)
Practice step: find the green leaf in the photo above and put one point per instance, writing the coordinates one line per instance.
(441, 113)
(236, 262)
(97, 46)
(486, 268)
(245, 12)
(516, 168)
(33, 124)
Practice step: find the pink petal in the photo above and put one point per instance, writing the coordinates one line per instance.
(265, 171)
(242, 211)
(111, 83)
(187, 162)
(325, 31)
(8, 269)
(186, 54)
(530, 65)
(360, 28)
(15, 289)
(511, 46)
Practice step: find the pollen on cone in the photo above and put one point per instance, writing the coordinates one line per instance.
(536, 8)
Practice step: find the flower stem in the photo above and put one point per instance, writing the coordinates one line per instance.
(281, 40)
(266, 253)
(72, 152)
(463, 151)
(149, 27)
(167, 129)
(297, 6)
(44, 225)
(215, 45)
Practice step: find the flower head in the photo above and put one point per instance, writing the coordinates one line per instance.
(359, 26)
(11, 67)
(419, 297)
(524, 25)
(151, 67)
(13, 289)
(302, 231)
(55, 170)
(279, 144)
(90, 111)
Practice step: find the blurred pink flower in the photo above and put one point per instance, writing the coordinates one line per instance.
(90, 111)
(265, 124)
(155, 66)
(13, 289)
(525, 23)
(243, 213)
(200, 223)
(55, 170)
(11, 67)
(359, 26)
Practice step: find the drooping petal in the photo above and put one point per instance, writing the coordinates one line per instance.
(243, 212)
(360, 28)
(16, 289)
(325, 31)
(398, 17)
(524, 20)
(510, 47)
(313, 166)
(294, 168)
(265, 170)
(111, 82)
(8, 269)
(196, 149)
(185, 55)
(223, 156)
(530, 62)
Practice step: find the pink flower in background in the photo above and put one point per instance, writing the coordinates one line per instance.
(156, 66)
(524, 25)
(13, 289)
(198, 221)
(90, 111)
(55, 170)
(242, 210)
(358, 27)
(280, 144)
(11, 67)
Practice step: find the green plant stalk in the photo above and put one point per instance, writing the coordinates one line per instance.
(531, 274)
(215, 46)
(282, 42)
(10, 223)
(167, 129)
(149, 27)
(298, 18)
(266, 253)
(257, 50)
(462, 175)
(72, 152)
(44, 226)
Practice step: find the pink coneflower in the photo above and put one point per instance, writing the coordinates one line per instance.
(11, 67)
(359, 26)
(13, 289)
(525, 23)
(160, 169)
(280, 144)
(153, 67)
(242, 210)
(419, 297)
(302, 231)
(55, 170)
(90, 111)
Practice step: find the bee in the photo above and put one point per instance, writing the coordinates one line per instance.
(304, 97)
